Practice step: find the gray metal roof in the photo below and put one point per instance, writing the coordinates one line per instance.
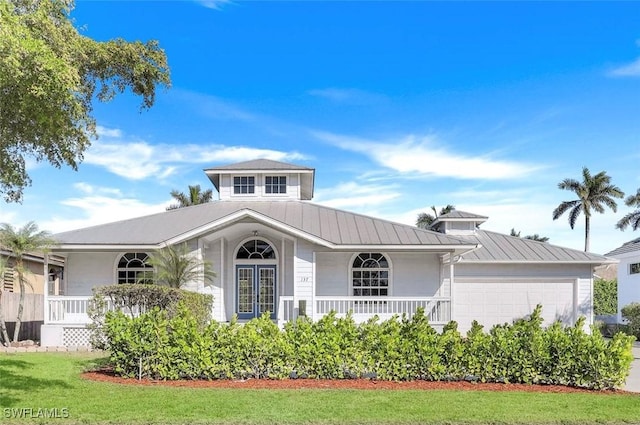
(462, 214)
(259, 164)
(334, 226)
(631, 246)
(497, 247)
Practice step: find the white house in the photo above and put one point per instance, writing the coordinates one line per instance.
(275, 251)
(628, 274)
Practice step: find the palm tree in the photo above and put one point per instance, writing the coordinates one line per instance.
(425, 220)
(195, 197)
(594, 193)
(20, 242)
(174, 266)
(3, 326)
(633, 218)
(534, 237)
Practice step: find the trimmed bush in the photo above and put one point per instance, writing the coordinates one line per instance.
(159, 345)
(605, 296)
(137, 299)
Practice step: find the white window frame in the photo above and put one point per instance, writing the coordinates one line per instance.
(118, 269)
(388, 269)
(247, 176)
(276, 176)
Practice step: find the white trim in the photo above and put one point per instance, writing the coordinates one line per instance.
(463, 261)
(117, 260)
(514, 279)
(260, 171)
(275, 195)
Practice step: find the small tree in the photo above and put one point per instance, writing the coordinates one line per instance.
(174, 266)
(20, 242)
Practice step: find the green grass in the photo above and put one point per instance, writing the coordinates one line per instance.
(52, 381)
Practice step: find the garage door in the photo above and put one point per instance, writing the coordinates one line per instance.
(495, 301)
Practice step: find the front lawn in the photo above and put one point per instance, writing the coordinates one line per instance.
(51, 382)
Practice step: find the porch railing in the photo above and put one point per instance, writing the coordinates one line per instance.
(73, 309)
(438, 310)
(68, 310)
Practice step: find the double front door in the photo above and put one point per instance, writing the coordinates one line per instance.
(255, 290)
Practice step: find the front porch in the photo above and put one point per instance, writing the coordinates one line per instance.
(66, 317)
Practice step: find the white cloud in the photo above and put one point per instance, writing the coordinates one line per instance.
(108, 132)
(214, 4)
(630, 70)
(89, 189)
(352, 195)
(426, 156)
(349, 95)
(139, 160)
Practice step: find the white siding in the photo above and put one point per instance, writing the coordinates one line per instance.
(85, 270)
(303, 275)
(212, 255)
(412, 274)
(628, 284)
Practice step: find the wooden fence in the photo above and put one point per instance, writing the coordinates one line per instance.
(32, 316)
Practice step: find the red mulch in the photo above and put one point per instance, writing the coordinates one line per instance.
(360, 384)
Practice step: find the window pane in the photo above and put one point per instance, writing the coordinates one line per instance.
(634, 268)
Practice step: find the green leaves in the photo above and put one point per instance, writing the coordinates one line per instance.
(49, 76)
(162, 347)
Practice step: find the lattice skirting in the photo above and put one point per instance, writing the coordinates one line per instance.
(78, 337)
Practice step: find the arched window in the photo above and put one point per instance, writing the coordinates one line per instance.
(370, 275)
(256, 249)
(133, 266)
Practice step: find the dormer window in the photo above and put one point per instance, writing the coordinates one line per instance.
(275, 184)
(243, 185)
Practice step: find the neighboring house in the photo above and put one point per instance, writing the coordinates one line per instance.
(628, 273)
(35, 272)
(275, 251)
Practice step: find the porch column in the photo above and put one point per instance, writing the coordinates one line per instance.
(46, 287)
(451, 286)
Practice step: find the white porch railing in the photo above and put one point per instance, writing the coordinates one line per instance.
(68, 310)
(438, 310)
(73, 309)
(285, 309)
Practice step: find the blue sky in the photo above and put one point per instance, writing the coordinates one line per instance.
(397, 105)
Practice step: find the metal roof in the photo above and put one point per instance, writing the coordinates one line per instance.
(497, 247)
(631, 246)
(260, 164)
(462, 214)
(317, 222)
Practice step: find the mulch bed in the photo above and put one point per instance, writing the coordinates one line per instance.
(106, 375)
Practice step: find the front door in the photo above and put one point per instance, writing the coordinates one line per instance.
(256, 290)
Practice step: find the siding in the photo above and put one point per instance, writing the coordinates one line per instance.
(85, 270)
(412, 274)
(303, 272)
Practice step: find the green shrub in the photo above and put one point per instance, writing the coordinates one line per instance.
(160, 345)
(136, 299)
(631, 313)
(605, 296)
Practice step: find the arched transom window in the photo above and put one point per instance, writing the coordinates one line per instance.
(132, 266)
(256, 249)
(370, 275)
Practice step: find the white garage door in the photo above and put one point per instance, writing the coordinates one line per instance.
(493, 302)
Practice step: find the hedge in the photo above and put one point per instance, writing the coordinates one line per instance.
(157, 345)
(137, 299)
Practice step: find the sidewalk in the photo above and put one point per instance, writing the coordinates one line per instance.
(633, 381)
